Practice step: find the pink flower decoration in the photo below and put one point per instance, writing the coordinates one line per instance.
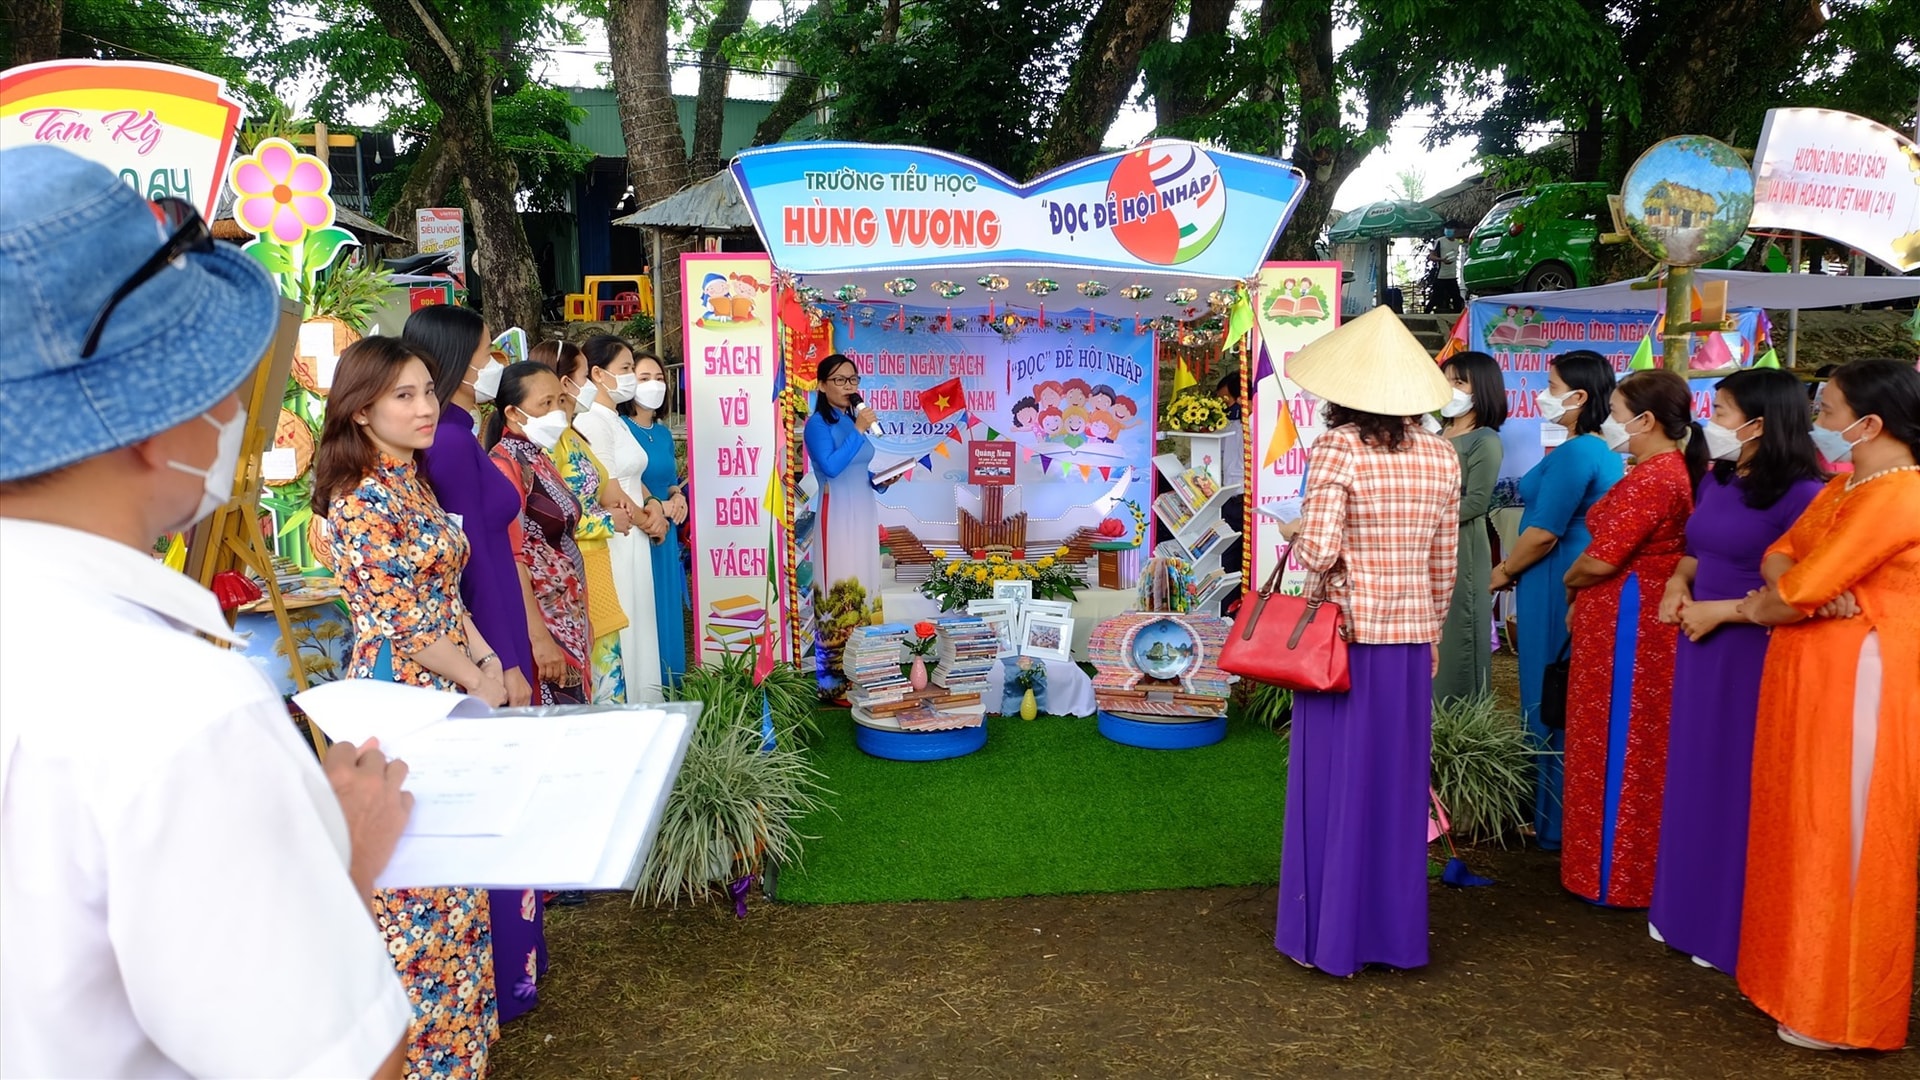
(283, 193)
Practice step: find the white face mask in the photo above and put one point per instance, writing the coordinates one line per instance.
(545, 431)
(624, 387)
(1461, 405)
(487, 382)
(586, 395)
(218, 477)
(1723, 443)
(1616, 433)
(1552, 408)
(652, 395)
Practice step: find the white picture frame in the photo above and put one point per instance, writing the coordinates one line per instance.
(1046, 637)
(1060, 608)
(1020, 592)
(1003, 616)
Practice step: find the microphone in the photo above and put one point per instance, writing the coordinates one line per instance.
(854, 402)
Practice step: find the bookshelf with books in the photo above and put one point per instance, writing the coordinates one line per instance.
(1190, 504)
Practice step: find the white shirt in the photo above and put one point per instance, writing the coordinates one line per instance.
(613, 443)
(174, 898)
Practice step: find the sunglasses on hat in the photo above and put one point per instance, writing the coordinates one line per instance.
(189, 235)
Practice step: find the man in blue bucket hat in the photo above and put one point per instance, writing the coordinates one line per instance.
(183, 890)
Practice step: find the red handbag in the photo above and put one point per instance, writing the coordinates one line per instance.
(1297, 642)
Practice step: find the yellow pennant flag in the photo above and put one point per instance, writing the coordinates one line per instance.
(1182, 378)
(1284, 438)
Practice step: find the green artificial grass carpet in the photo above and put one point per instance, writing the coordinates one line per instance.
(1047, 806)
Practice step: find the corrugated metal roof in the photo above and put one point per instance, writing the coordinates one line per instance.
(225, 227)
(711, 206)
(600, 130)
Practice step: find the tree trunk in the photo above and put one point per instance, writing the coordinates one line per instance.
(656, 147)
(1180, 95)
(510, 281)
(1103, 74)
(710, 104)
(433, 173)
(794, 103)
(36, 30)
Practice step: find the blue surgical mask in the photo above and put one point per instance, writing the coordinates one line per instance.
(1834, 445)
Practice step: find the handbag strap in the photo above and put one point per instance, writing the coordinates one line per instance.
(1316, 595)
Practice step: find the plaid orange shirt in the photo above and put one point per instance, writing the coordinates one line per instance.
(1392, 521)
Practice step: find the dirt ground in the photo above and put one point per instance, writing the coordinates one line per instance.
(1525, 981)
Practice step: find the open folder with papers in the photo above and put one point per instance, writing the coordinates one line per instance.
(559, 798)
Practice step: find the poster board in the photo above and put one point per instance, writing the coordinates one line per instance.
(1294, 304)
(167, 131)
(732, 452)
(442, 228)
(1523, 340)
(1841, 176)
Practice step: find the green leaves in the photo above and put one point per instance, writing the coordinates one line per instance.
(270, 254)
(322, 245)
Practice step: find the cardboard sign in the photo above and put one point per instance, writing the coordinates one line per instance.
(990, 463)
(1842, 176)
(167, 131)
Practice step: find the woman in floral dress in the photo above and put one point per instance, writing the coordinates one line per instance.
(399, 557)
(527, 419)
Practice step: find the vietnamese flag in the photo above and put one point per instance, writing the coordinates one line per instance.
(944, 400)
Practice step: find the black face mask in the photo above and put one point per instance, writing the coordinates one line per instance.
(1233, 411)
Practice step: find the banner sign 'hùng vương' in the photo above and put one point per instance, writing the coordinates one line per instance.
(167, 131)
(1165, 205)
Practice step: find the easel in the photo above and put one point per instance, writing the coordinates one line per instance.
(230, 539)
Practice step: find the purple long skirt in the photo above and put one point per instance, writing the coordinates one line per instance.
(1701, 875)
(519, 948)
(1353, 861)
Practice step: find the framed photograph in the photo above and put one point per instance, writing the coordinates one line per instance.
(1021, 592)
(1047, 637)
(1003, 616)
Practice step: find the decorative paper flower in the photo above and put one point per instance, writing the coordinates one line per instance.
(948, 289)
(1137, 292)
(992, 282)
(1092, 290)
(1183, 296)
(283, 193)
(901, 286)
(849, 294)
(1043, 286)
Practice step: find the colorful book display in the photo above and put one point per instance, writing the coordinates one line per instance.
(1161, 666)
(965, 649)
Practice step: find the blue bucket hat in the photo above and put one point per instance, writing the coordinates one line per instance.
(70, 232)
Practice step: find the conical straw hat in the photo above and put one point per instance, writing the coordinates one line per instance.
(1373, 364)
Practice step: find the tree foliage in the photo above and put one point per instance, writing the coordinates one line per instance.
(206, 37)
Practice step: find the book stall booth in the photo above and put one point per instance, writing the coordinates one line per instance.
(1008, 337)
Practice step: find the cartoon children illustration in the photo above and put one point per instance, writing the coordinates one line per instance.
(743, 287)
(1050, 423)
(1124, 411)
(1048, 394)
(1074, 393)
(1101, 398)
(715, 290)
(1026, 415)
(1074, 419)
(1101, 426)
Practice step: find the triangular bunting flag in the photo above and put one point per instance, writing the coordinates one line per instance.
(941, 450)
(1026, 454)
(992, 434)
(1265, 366)
(1713, 354)
(1086, 472)
(1769, 359)
(954, 433)
(1456, 340)
(1284, 438)
(927, 462)
(1239, 316)
(1045, 464)
(1642, 355)
(1182, 378)
(1106, 472)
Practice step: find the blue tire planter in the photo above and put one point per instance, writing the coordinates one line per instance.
(1152, 736)
(919, 745)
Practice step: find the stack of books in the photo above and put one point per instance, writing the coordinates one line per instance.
(1173, 510)
(734, 623)
(966, 649)
(871, 663)
(1195, 487)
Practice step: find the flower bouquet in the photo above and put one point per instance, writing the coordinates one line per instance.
(956, 581)
(1194, 410)
(920, 646)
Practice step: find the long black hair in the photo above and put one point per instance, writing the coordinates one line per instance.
(828, 366)
(1668, 398)
(1489, 385)
(513, 391)
(1584, 369)
(1785, 454)
(1893, 386)
(1388, 433)
(445, 337)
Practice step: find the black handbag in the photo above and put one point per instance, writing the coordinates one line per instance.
(1553, 690)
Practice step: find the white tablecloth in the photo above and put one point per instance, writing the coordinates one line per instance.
(904, 604)
(1069, 690)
